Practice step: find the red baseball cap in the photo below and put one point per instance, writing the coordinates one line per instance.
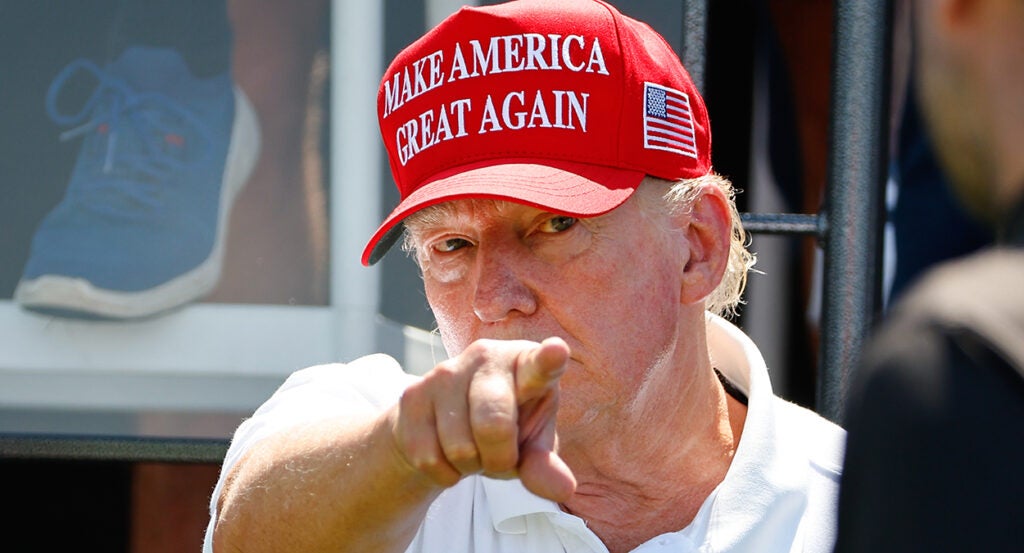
(564, 105)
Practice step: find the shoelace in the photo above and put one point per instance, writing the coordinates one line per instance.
(128, 107)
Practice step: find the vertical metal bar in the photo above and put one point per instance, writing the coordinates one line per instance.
(853, 210)
(356, 67)
(695, 24)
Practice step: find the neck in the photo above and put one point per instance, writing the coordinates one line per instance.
(634, 485)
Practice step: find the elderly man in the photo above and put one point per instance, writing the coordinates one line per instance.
(554, 165)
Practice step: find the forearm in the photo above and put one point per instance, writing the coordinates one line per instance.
(329, 486)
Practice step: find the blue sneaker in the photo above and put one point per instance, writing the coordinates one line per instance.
(141, 227)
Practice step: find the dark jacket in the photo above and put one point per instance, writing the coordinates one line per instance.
(935, 450)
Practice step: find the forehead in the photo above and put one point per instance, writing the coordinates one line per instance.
(465, 211)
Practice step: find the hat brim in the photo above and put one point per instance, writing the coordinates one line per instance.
(576, 189)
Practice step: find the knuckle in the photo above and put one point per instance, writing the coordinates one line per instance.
(446, 370)
(445, 378)
(479, 351)
(495, 427)
(461, 453)
(424, 462)
(431, 465)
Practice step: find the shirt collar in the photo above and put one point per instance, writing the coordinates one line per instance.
(766, 484)
(510, 502)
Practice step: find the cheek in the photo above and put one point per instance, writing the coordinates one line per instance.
(637, 278)
(624, 337)
(630, 312)
(453, 317)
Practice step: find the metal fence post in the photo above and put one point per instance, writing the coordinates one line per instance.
(853, 212)
(695, 23)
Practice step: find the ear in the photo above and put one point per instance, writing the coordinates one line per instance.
(708, 234)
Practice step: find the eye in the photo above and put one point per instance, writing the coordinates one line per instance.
(451, 244)
(558, 223)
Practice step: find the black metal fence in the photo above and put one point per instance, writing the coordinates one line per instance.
(849, 226)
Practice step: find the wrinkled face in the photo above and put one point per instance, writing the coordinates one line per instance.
(608, 285)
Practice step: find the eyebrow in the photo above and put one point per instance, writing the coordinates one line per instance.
(441, 214)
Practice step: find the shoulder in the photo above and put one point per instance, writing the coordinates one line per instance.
(352, 390)
(815, 448)
(367, 375)
(974, 301)
(374, 381)
(822, 441)
(983, 292)
(346, 391)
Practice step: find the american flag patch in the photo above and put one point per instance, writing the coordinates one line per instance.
(668, 121)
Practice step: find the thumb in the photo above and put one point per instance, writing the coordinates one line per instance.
(538, 369)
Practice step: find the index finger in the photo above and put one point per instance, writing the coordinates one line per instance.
(538, 369)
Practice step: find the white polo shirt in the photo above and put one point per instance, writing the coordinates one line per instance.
(779, 494)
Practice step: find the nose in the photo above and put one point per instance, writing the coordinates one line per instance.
(501, 291)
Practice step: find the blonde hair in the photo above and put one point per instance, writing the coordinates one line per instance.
(677, 198)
